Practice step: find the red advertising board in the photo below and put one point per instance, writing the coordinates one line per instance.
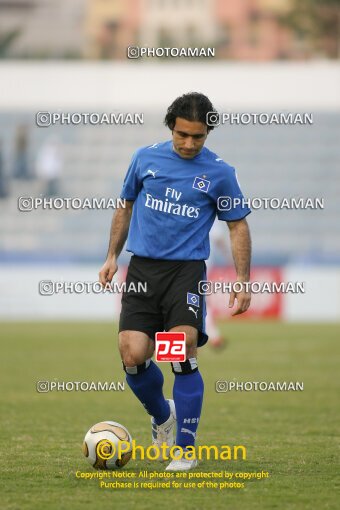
(263, 305)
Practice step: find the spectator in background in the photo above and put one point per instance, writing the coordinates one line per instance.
(49, 166)
(21, 167)
(3, 183)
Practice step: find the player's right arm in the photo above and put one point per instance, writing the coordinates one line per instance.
(121, 220)
(118, 235)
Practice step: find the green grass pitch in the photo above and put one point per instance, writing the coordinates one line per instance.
(292, 435)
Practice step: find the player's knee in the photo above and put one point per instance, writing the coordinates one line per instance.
(131, 359)
(191, 350)
(189, 366)
(191, 335)
(130, 354)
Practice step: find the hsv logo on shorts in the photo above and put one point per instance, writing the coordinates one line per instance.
(193, 299)
(170, 346)
(201, 184)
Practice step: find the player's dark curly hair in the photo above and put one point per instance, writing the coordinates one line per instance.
(193, 106)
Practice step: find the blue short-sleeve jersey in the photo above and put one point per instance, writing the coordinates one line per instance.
(176, 201)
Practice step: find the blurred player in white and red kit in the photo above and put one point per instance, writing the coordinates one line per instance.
(219, 250)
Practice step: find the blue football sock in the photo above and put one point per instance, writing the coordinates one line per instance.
(188, 397)
(148, 388)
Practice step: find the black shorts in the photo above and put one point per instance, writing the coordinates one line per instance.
(171, 299)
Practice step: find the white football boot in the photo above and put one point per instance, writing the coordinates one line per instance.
(165, 432)
(182, 464)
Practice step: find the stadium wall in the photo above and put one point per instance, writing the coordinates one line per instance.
(20, 298)
(75, 85)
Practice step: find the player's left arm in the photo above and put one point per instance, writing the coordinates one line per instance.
(241, 249)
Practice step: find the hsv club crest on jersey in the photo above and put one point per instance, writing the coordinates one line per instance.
(201, 184)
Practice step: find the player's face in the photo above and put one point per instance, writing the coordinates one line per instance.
(188, 137)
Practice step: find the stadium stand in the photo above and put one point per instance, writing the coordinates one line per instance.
(272, 161)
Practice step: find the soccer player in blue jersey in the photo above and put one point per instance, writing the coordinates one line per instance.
(171, 191)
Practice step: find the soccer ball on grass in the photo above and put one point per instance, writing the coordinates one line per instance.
(101, 445)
